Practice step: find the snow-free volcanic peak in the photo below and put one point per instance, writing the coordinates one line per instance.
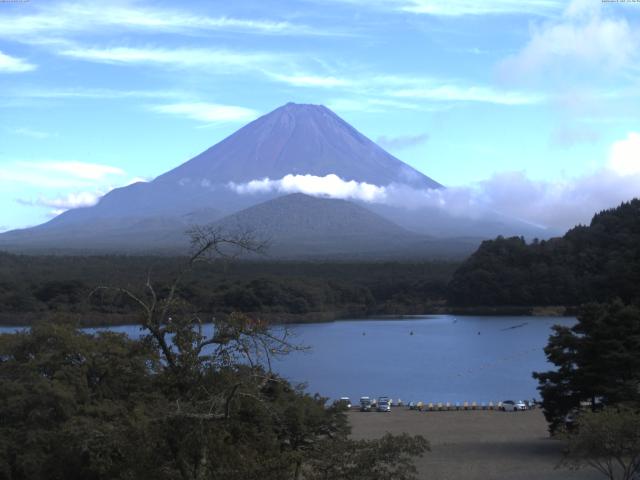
(294, 139)
(298, 139)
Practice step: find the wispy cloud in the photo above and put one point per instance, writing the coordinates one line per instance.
(208, 112)
(57, 174)
(9, 64)
(63, 185)
(90, 93)
(82, 170)
(177, 57)
(374, 104)
(299, 80)
(70, 18)
(457, 8)
(385, 90)
(65, 202)
(402, 141)
(32, 133)
(455, 93)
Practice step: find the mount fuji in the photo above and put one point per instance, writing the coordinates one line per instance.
(269, 158)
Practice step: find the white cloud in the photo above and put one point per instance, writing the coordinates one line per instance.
(311, 80)
(370, 104)
(330, 185)
(208, 112)
(476, 7)
(386, 90)
(74, 18)
(456, 8)
(453, 93)
(583, 36)
(57, 174)
(624, 156)
(9, 64)
(91, 93)
(557, 204)
(65, 202)
(177, 57)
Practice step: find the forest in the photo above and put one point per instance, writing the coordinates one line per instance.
(36, 287)
(598, 262)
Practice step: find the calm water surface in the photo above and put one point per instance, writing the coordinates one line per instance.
(437, 358)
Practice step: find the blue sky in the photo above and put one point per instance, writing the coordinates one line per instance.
(530, 106)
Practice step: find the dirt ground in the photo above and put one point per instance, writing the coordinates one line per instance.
(476, 445)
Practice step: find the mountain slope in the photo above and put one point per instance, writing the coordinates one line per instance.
(298, 139)
(292, 139)
(302, 226)
(301, 216)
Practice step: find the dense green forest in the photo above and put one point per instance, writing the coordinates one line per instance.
(174, 405)
(35, 287)
(598, 262)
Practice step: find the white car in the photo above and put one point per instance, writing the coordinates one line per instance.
(384, 404)
(511, 406)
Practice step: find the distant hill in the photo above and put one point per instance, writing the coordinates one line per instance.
(298, 216)
(302, 226)
(589, 263)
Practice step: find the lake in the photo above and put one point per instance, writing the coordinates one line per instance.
(433, 358)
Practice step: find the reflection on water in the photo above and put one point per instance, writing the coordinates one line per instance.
(438, 358)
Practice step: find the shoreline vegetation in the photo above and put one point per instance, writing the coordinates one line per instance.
(47, 287)
(112, 320)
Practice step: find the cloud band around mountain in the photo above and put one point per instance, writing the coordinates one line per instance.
(330, 185)
(557, 205)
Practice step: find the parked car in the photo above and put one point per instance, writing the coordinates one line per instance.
(413, 406)
(511, 406)
(520, 405)
(365, 404)
(384, 404)
(346, 401)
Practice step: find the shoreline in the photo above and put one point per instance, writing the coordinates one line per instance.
(114, 320)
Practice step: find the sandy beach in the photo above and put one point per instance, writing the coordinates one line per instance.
(476, 445)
